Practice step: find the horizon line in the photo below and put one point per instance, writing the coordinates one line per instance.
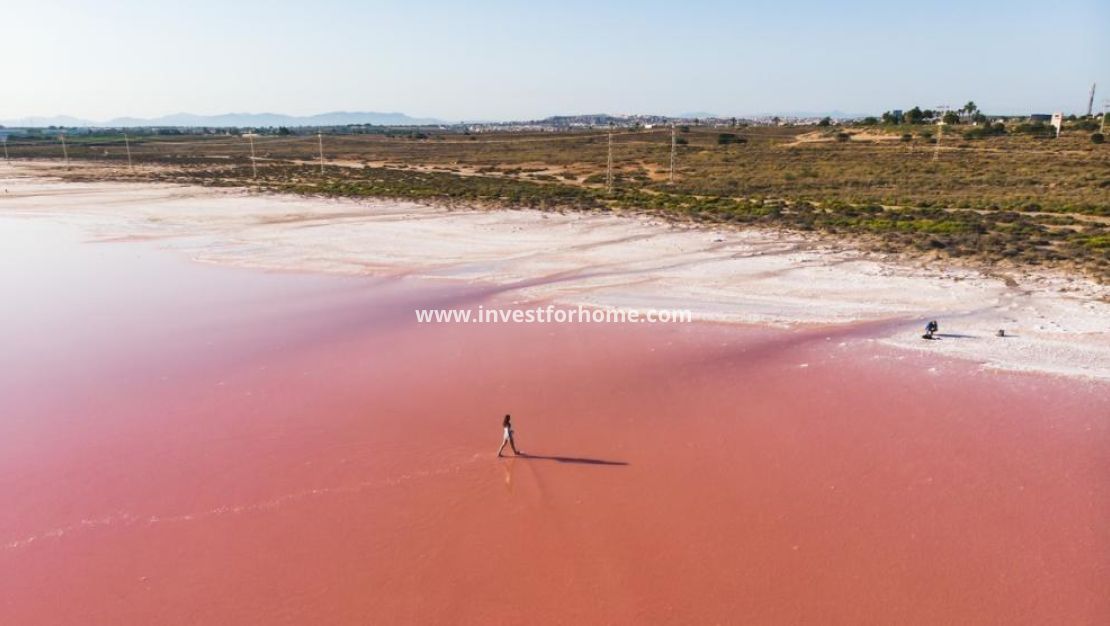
(81, 122)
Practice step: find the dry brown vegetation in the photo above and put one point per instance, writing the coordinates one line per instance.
(1013, 199)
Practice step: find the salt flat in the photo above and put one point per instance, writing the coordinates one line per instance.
(1054, 323)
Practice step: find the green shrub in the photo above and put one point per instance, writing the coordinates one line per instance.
(724, 139)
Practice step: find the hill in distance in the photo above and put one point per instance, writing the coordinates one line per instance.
(335, 118)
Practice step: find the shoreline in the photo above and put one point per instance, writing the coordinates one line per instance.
(1055, 323)
(868, 243)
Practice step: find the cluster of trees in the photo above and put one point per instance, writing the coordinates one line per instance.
(917, 115)
(1089, 123)
(1084, 123)
(985, 130)
(970, 113)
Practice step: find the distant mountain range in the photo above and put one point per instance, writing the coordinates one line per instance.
(249, 120)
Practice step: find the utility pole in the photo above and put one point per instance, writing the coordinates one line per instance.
(128, 145)
(942, 109)
(609, 166)
(65, 153)
(673, 144)
(254, 164)
(6, 157)
(320, 139)
(1091, 100)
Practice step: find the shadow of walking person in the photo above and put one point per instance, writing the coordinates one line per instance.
(570, 459)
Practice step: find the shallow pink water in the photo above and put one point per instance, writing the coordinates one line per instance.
(190, 444)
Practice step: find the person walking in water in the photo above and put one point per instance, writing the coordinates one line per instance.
(507, 425)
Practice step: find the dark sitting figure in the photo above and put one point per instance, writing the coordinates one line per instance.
(930, 330)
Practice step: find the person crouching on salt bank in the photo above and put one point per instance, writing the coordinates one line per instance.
(507, 424)
(930, 329)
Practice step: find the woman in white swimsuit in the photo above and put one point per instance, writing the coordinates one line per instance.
(508, 437)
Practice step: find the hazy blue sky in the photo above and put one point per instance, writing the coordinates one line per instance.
(497, 60)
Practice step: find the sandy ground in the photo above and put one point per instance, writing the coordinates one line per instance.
(1054, 324)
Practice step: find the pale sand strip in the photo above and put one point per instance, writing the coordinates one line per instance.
(1057, 324)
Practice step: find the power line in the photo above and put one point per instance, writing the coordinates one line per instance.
(127, 143)
(200, 142)
(609, 166)
(371, 138)
(155, 144)
(942, 109)
(254, 164)
(673, 144)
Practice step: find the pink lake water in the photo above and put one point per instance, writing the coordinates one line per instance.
(184, 444)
